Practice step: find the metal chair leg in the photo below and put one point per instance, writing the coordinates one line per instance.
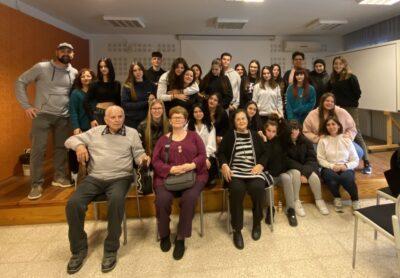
(228, 213)
(271, 202)
(95, 211)
(223, 200)
(202, 213)
(355, 241)
(378, 202)
(125, 229)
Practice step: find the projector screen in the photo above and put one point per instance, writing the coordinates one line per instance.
(377, 69)
(203, 50)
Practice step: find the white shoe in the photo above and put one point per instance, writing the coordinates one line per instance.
(337, 202)
(356, 205)
(74, 179)
(299, 208)
(322, 207)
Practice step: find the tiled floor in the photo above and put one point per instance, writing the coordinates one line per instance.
(321, 246)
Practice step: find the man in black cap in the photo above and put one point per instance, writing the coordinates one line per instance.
(49, 112)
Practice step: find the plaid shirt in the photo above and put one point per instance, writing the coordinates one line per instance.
(121, 131)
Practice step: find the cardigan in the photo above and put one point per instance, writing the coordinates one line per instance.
(190, 149)
(311, 124)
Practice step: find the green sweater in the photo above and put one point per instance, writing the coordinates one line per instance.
(79, 118)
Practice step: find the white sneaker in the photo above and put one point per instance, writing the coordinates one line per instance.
(337, 202)
(74, 179)
(299, 208)
(322, 207)
(356, 205)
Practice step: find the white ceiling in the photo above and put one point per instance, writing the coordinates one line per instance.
(273, 17)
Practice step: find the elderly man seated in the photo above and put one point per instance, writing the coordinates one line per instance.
(109, 150)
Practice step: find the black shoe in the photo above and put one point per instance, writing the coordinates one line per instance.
(256, 232)
(76, 262)
(165, 244)
(238, 240)
(109, 261)
(291, 215)
(268, 216)
(179, 249)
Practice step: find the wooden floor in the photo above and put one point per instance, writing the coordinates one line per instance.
(15, 208)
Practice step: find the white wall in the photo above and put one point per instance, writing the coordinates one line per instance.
(124, 49)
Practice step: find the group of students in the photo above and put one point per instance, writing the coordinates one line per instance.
(257, 129)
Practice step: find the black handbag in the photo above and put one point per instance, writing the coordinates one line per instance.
(144, 181)
(178, 182)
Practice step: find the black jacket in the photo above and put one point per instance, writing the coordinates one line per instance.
(225, 149)
(347, 92)
(222, 124)
(301, 156)
(320, 83)
(153, 76)
(218, 84)
(156, 133)
(277, 158)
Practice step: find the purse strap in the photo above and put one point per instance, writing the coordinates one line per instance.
(167, 147)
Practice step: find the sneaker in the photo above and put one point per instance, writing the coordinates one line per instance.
(322, 207)
(36, 193)
(76, 262)
(367, 168)
(291, 215)
(299, 208)
(337, 202)
(61, 182)
(356, 205)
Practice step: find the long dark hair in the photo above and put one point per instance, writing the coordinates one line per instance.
(306, 84)
(111, 71)
(255, 121)
(206, 118)
(271, 82)
(331, 113)
(130, 81)
(244, 69)
(258, 73)
(194, 78)
(78, 83)
(324, 130)
(175, 81)
(206, 80)
(279, 78)
(201, 71)
(219, 110)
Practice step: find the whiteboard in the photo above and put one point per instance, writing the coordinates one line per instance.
(377, 70)
(203, 51)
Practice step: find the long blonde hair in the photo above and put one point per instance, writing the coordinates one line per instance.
(149, 119)
(344, 74)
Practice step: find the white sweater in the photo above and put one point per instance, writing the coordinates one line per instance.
(337, 150)
(235, 80)
(209, 139)
(162, 88)
(268, 100)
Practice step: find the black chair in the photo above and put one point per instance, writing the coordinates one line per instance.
(387, 194)
(384, 219)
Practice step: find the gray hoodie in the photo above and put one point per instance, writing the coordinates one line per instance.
(235, 80)
(52, 87)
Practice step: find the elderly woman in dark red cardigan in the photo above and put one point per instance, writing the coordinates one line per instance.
(187, 152)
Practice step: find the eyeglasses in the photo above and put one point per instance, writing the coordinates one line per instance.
(177, 118)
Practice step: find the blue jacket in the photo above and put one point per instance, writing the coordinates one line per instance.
(79, 118)
(297, 108)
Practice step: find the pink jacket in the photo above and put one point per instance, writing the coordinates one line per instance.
(311, 124)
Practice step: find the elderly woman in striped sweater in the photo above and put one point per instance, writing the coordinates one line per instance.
(242, 156)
